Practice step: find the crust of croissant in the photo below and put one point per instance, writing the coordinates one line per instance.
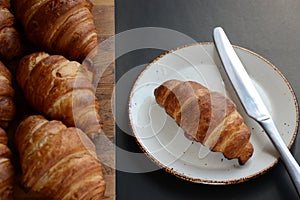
(57, 161)
(60, 27)
(6, 168)
(42, 133)
(6, 18)
(85, 27)
(66, 92)
(3, 137)
(7, 106)
(5, 3)
(6, 179)
(208, 117)
(31, 7)
(71, 167)
(10, 40)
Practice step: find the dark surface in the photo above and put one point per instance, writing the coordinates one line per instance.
(270, 28)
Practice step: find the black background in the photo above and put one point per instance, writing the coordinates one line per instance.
(270, 28)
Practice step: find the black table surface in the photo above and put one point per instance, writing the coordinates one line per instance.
(270, 28)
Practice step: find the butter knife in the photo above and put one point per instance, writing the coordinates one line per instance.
(252, 102)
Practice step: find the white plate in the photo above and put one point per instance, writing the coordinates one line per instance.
(164, 142)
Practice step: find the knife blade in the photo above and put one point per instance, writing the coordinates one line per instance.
(252, 101)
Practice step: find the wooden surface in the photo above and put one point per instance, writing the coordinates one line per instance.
(103, 12)
(104, 19)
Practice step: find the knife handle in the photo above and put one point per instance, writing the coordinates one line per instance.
(287, 158)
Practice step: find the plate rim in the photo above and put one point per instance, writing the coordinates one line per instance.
(199, 180)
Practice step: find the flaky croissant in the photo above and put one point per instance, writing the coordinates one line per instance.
(57, 161)
(59, 27)
(6, 169)
(10, 40)
(7, 106)
(60, 89)
(207, 117)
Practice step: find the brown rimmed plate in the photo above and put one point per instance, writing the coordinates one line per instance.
(164, 142)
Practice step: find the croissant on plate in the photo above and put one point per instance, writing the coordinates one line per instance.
(7, 106)
(61, 27)
(10, 40)
(60, 89)
(6, 169)
(207, 117)
(57, 161)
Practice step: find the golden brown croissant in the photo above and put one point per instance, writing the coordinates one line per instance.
(59, 27)
(57, 161)
(6, 169)
(10, 41)
(208, 117)
(7, 106)
(60, 89)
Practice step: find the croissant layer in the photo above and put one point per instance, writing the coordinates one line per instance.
(59, 27)
(206, 116)
(64, 159)
(6, 169)
(10, 40)
(60, 89)
(7, 106)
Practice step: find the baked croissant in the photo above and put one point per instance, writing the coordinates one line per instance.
(60, 89)
(57, 161)
(61, 27)
(6, 169)
(207, 117)
(7, 106)
(10, 40)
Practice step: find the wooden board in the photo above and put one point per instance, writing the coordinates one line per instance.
(104, 15)
(103, 12)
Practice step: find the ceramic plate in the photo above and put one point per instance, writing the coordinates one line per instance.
(164, 142)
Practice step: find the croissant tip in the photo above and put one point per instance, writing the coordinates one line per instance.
(247, 154)
(241, 162)
(94, 132)
(93, 135)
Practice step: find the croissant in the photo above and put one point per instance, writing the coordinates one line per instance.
(6, 169)
(207, 117)
(7, 106)
(61, 27)
(60, 89)
(10, 40)
(57, 161)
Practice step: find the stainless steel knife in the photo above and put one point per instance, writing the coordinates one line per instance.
(252, 102)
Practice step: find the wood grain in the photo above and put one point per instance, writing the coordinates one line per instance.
(103, 12)
(104, 16)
